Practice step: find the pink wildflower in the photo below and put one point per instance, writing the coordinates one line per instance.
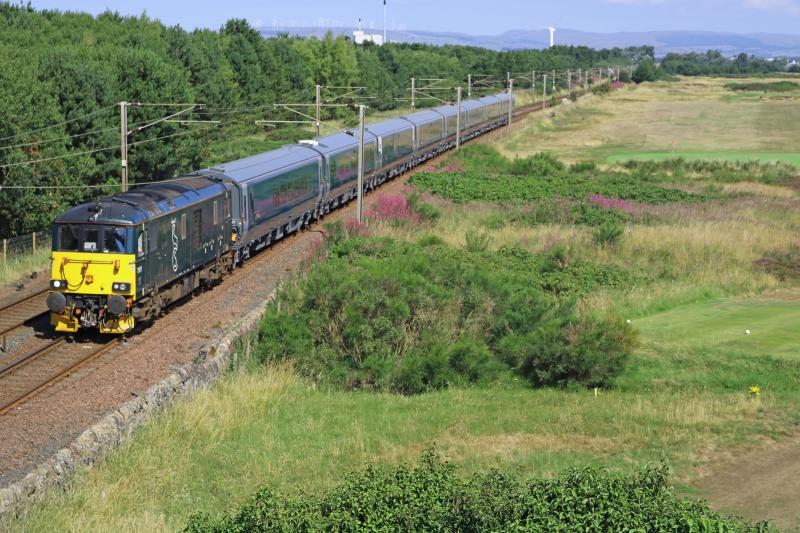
(390, 207)
(614, 203)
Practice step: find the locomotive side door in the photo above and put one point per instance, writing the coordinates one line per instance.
(142, 279)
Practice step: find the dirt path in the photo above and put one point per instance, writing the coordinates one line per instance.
(762, 484)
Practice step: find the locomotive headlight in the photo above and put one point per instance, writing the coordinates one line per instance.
(115, 287)
(58, 284)
(122, 287)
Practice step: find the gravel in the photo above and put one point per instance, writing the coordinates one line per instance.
(50, 421)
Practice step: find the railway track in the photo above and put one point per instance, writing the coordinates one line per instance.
(35, 371)
(18, 313)
(32, 373)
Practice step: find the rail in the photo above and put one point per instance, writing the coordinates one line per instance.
(28, 387)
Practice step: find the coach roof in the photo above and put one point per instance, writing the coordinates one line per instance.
(266, 163)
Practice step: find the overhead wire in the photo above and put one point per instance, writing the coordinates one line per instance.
(45, 128)
(205, 111)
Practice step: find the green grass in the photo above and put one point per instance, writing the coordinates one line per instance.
(792, 158)
(682, 398)
(23, 265)
(697, 115)
(270, 428)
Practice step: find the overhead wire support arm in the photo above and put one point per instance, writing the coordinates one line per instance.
(164, 119)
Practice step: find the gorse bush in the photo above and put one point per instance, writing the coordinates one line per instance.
(382, 315)
(608, 232)
(480, 173)
(683, 170)
(783, 264)
(765, 86)
(469, 186)
(476, 242)
(432, 496)
(601, 89)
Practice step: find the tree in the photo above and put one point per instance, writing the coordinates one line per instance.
(646, 71)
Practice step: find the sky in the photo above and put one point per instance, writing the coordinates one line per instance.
(477, 17)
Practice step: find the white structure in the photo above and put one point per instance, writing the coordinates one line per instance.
(552, 36)
(361, 37)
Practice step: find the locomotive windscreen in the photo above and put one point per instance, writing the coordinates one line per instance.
(91, 238)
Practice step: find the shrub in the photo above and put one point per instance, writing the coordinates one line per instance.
(476, 242)
(601, 89)
(646, 71)
(467, 186)
(783, 264)
(433, 496)
(541, 164)
(403, 317)
(765, 86)
(608, 233)
(682, 170)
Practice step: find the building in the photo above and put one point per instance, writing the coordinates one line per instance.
(361, 37)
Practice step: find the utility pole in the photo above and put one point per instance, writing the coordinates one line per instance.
(360, 201)
(458, 118)
(554, 81)
(544, 92)
(533, 84)
(569, 82)
(318, 107)
(123, 143)
(384, 24)
(413, 93)
(510, 101)
(469, 85)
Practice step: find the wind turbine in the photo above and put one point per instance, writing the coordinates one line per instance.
(552, 29)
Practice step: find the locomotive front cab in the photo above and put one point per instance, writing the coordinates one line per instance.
(93, 277)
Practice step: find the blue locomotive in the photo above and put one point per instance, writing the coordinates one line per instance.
(122, 260)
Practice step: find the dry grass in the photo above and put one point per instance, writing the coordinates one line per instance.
(693, 116)
(267, 427)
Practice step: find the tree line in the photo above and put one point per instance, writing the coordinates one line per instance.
(71, 69)
(711, 63)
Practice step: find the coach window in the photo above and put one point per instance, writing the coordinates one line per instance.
(183, 227)
(215, 213)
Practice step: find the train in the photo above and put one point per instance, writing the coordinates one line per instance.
(120, 261)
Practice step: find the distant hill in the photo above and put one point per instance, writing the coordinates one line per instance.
(760, 44)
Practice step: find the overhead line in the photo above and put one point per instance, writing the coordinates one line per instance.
(57, 125)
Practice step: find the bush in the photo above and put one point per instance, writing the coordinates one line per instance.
(565, 348)
(682, 170)
(432, 496)
(476, 242)
(783, 264)
(601, 89)
(403, 317)
(608, 232)
(646, 71)
(541, 164)
(468, 186)
(765, 86)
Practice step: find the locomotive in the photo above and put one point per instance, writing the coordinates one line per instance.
(122, 260)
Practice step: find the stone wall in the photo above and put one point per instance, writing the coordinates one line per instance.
(117, 426)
